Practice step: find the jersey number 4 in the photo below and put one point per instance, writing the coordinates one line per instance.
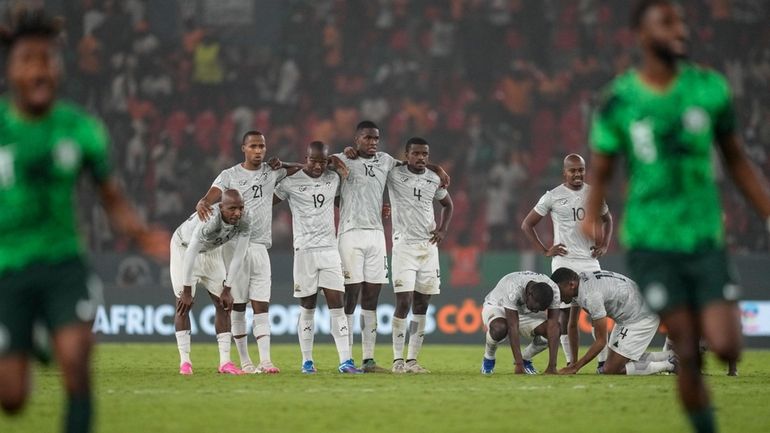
(418, 194)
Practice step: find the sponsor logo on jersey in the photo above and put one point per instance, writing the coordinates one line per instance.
(695, 120)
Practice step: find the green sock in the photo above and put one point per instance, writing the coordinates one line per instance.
(702, 420)
(79, 414)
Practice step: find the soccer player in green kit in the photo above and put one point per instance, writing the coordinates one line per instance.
(45, 146)
(663, 117)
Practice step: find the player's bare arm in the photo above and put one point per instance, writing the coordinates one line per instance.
(607, 226)
(528, 227)
(124, 218)
(600, 331)
(753, 186)
(603, 166)
(336, 165)
(553, 340)
(572, 330)
(512, 317)
(447, 210)
(185, 301)
(203, 207)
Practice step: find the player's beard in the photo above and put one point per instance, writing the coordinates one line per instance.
(665, 53)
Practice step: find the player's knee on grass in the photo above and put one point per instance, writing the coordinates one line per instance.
(615, 364)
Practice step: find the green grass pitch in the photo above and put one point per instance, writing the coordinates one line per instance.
(138, 390)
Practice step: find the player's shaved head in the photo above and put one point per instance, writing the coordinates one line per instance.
(574, 158)
(231, 196)
(317, 147)
(231, 206)
(317, 158)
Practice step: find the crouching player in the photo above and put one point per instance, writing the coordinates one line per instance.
(605, 294)
(197, 258)
(517, 308)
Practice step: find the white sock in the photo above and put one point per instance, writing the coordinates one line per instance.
(566, 347)
(657, 356)
(490, 348)
(238, 327)
(668, 344)
(399, 337)
(262, 335)
(351, 338)
(340, 332)
(638, 368)
(183, 344)
(368, 332)
(537, 345)
(223, 340)
(416, 335)
(306, 332)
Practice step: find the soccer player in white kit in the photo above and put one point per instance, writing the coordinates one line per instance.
(361, 234)
(516, 308)
(609, 295)
(571, 249)
(256, 180)
(196, 257)
(310, 193)
(416, 274)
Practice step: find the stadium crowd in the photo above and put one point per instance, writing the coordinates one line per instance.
(177, 96)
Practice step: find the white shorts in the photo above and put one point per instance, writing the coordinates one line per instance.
(416, 268)
(632, 339)
(317, 269)
(364, 257)
(577, 265)
(527, 322)
(209, 270)
(253, 281)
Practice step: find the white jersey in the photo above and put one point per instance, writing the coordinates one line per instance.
(256, 187)
(509, 292)
(212, 233)
(312, 208)
(198, 236)
(609, 294)
(411, 198)
(567, 208)
(361, 193)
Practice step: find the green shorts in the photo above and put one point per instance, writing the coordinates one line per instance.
(53, 295)
(671, 280)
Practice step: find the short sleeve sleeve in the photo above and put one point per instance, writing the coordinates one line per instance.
(556, 301)
(95, 150)
(595, 306)
(544, 205)
(280, 190)
(724, 117)
(440, 194)
(279, 174)
(390, 162)
(222, 182)
(605, 135)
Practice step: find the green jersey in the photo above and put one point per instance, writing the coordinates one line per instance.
(673, 202)
(40, 163)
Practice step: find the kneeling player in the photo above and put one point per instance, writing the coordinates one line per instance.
(196, 257)
(515, 308)
(605, 294)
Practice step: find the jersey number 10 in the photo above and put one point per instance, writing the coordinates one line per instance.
(578, 214)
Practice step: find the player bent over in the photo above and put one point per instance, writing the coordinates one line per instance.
(516, 308)
(605, 294)
(416, 274)
(197, 258)
(310, 193)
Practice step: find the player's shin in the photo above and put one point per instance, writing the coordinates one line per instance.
(657, 356)
(537, 345)
(340, 331)
(262, 335)
(351, 339)
(306, 332)
(640, 368)
(490, 347)
(223, 341)
(566, 347)
(238, 326)
(416, 335)
(183, 344)
(368, 333)
(399, 337)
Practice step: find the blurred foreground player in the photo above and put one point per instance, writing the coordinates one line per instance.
(45, 145)
(664, 117)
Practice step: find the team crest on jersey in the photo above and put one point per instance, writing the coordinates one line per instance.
(563, 201)
(695, 120)
(404, 179)
(66, 155)
(242, 183)
(303, 188)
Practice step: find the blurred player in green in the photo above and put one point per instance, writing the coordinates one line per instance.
(45, 146)
(663, 117)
